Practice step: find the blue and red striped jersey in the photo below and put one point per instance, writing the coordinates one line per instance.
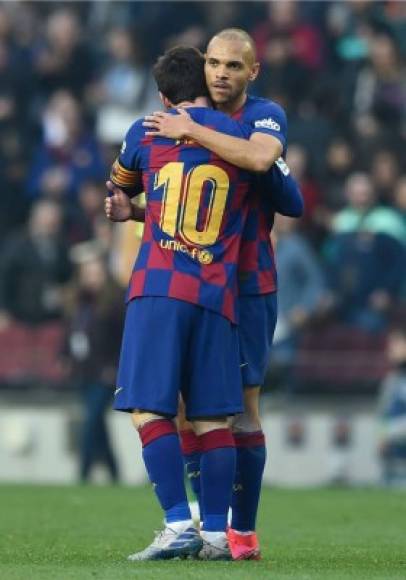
(256, 267)
(195, 214)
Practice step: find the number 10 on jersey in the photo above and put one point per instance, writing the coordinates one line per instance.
(181, 201)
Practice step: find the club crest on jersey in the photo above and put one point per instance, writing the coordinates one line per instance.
(268, 123)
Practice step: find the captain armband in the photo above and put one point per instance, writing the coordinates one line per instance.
(126, 179)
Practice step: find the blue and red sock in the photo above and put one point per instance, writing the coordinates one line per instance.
(217, 473)
(164, 463)
(191, 450)
(251, 457)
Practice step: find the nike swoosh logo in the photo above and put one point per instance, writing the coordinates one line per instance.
(243, 365)
(116, 392)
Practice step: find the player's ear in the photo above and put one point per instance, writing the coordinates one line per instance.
(254, 71)
(165, 101)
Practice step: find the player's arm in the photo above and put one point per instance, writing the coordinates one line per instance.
(128, 180)
(285, 192)
(257, 153)
(125, 180)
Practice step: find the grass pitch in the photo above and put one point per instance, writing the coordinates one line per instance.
(87, 532)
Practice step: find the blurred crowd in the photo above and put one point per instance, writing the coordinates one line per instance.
(74, 75)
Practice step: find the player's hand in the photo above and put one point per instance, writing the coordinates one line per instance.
(117, 206)
(167, 125)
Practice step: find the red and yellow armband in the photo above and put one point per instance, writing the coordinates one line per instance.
(128, 180)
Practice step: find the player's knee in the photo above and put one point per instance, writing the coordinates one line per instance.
(183, 425)
(250, 420)
(246, 423)
(139, 418)
(201, 427)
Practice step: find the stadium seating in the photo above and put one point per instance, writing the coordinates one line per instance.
(31, 355)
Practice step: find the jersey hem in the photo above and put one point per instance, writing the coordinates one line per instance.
(184, 299)
(267, 290)
(215, 413)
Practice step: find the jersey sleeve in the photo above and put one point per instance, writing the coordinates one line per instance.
(269, 118)
(222, 123)
(284, 191)
(245, 129)
(125, 171)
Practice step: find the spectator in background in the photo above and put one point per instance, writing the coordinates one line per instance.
(399, 197)
(399, 203)
(384, 172)
(15, 74)
(362, 212)
(349, 30)
(34, 268)
(13, 206)
(94, 312)
(281, 73)
(365, 258)
(301, 288)
(380, 89)
(392, 412)
(81, 219)
(121, 90)
(394, 16)
(366, 270)
(303, 38)
(10, 85)
(218, 16)
(339, 163)
(105, 238)
(15, 86)
(68, 156)
(63, 60)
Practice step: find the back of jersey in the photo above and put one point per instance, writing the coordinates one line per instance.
(196, 210)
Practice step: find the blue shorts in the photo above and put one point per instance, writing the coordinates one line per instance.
(169, 347)
(257, 325)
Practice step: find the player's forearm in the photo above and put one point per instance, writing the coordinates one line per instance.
(288, 200)
(240, 152)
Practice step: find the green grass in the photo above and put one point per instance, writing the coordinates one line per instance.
(87, 532)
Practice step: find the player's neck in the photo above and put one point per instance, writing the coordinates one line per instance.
(199, 102)
(232, 106)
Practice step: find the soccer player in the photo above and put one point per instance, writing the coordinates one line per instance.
(180, 331)
(230, 67)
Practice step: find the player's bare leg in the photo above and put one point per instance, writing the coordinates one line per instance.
(217, 472)
(164, 463)
(251, 455)
(250, 420)
(140, 418)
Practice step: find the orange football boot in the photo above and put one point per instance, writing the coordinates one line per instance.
(243, 545)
